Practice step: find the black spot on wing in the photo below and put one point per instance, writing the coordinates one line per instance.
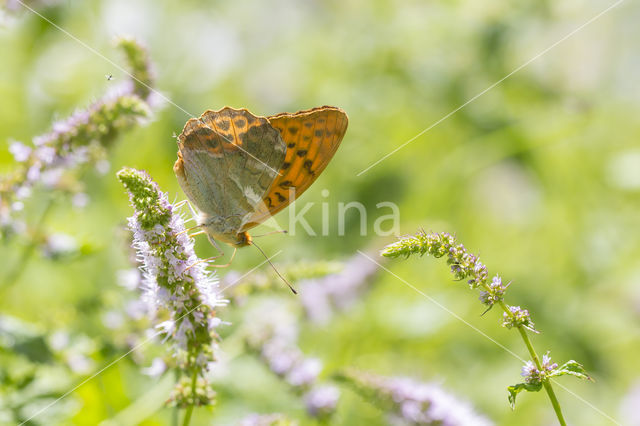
(223, 124)
(307, 165)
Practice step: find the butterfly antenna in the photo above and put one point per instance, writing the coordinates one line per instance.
(282, 231)
(274, 268)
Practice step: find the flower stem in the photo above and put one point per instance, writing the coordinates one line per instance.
(546, 383)
(187, 414)
(176, 410)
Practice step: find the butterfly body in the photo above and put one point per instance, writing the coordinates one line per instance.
(238, 169)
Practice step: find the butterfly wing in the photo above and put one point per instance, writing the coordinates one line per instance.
(312, 138)
(227, 161)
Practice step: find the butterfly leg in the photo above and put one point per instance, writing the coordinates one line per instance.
(213, 243)
(220, 254)
(207, 260)
(182, 203)
(194, 213)
(190, 229)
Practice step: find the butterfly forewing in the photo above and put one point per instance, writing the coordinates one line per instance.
(311, 138)
(227, 161)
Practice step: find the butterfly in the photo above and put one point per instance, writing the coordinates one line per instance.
(239, 169)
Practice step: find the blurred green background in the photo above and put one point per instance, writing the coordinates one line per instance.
(540, 175)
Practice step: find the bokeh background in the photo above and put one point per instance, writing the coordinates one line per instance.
(540, 175)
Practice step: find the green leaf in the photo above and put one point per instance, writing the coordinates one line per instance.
(22, 338)
(571, 368)
(516, 389)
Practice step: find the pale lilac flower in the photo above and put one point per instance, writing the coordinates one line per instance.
(59, 340)
(322, 400)
(518, 317)
(46, 154)
(103, 166)
(413, 402)
(129, 278)
(273, 335)
(136, 309)
(266, 420)
(304, 373)
(495, 292)
(79, 363)
(22, 193)
(33, 173)
(50, 177)
(531, 373)
(629, 405)
(174, 283)
(58, 245)
(336, 292)
(112, 319)
(19, 151)
(80, 200)
(81, 139)
(157, 367)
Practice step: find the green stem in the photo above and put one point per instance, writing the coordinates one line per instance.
(176, 409)
(534, 356)
(187, 414)
(554, 401)
(546, 383)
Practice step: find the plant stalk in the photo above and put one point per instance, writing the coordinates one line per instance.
(187, 414)
(534, 356)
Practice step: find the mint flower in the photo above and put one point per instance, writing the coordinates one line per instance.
(322, 297)
(80, 141)
(629, 405)
(285, 360)
(267, 420)
(463, 264)
(495, 292)
(531, 373)
(322, 400)
(467, 266)
(517, 317)
(177, 288)
(272, 336)
(436, 245)
(411, 402)
(140, 64)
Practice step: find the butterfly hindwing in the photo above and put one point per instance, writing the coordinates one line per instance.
(227, 161)
(311, 138)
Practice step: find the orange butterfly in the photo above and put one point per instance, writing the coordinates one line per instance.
(238, 169)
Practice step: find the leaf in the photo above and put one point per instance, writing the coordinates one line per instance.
(22, 338)
(516, 389)
(571, 368)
